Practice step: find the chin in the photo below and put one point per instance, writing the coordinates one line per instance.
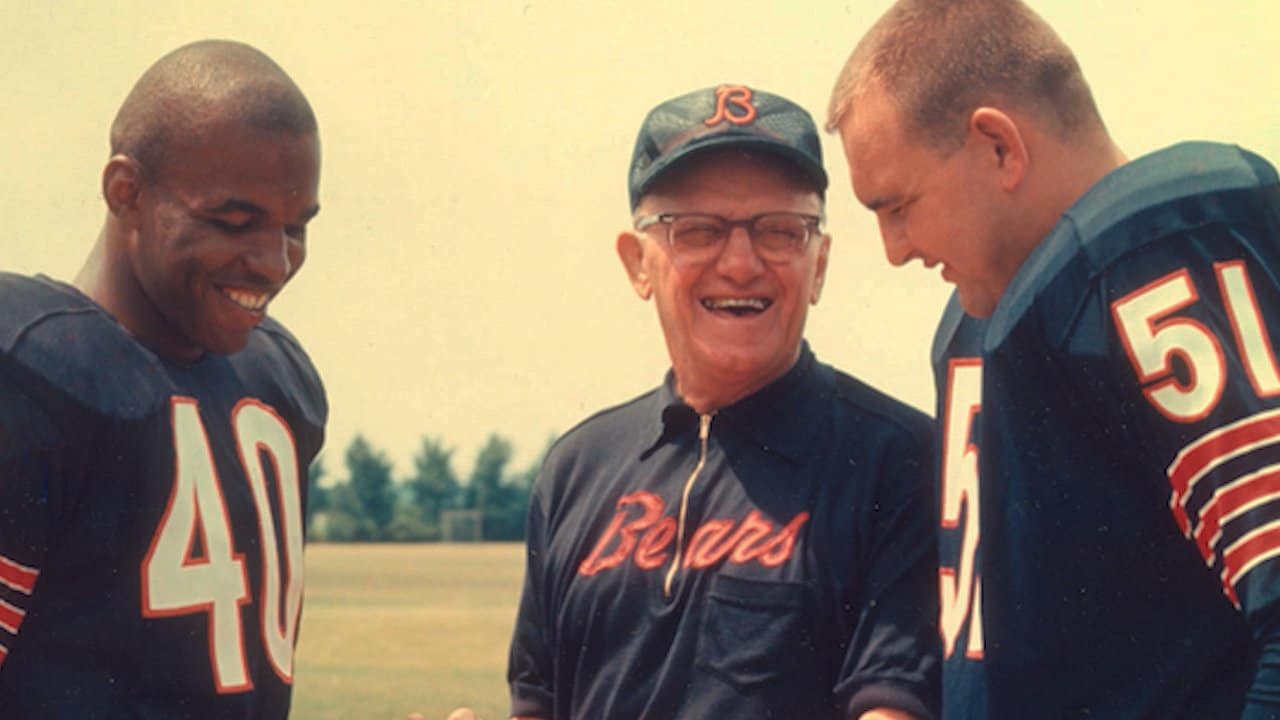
(746, 365)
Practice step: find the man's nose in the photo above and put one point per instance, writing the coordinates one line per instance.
(896, 248)
(272, 257)
(738, 259)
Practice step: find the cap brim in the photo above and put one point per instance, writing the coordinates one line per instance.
(804, 162)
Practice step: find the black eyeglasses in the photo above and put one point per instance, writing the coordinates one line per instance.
(695, 237)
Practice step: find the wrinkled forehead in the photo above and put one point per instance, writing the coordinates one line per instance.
(727, 166)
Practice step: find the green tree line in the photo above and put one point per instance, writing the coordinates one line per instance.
(367, 504)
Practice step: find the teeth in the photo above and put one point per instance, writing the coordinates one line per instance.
(735, 303)
(248, 300)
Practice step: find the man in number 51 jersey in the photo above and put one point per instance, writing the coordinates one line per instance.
(1110, 427)
(155, 425)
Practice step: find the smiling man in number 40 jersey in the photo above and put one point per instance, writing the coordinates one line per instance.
(155, 425)
(1110, 403)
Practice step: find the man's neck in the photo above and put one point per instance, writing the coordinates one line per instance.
(1067, 170)
(1082, 165)
(115, 288)
(91, 278)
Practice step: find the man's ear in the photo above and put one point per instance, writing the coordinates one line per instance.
(998, 138)
(121, 185)
(820, 269)
(631, 250)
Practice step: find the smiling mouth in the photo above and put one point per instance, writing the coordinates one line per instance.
(247, 299)
(738, 307)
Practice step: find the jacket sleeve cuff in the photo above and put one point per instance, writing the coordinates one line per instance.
(529, 701)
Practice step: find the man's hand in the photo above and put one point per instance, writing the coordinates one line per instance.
(873, 714)
(461, 713)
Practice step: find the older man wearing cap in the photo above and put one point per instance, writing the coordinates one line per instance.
(753, 538)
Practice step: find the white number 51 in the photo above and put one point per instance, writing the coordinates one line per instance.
(1152, 340)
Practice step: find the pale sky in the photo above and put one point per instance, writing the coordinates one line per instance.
(461, 276)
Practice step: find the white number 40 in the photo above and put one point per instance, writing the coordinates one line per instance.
(177, 581)
(1153, 339)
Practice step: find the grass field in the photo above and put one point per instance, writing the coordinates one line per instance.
(389, 629)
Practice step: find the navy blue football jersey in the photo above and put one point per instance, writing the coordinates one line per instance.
(151, 516)
(957, 368)
(1130, 452)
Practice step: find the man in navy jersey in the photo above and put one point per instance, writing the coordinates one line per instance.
(1109, 395)
(155, 425)
(753, 537)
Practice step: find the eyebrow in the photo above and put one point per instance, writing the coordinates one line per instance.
(233, 205)
(236, 206)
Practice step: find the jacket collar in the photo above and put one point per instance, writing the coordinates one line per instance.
(782, 418)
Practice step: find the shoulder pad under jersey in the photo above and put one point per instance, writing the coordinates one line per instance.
(274, 351)
(61, 339)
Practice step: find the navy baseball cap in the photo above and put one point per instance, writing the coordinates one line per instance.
(724, 116)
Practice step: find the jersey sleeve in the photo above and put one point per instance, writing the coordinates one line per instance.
(893, 652)
(1195, 342)
(530, 669)
(1194, 322)
(30, 468)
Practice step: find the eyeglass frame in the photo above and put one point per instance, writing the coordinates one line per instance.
(812, 226)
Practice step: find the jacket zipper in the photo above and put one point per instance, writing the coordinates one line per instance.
(704, 430)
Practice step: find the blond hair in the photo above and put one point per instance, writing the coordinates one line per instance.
(938, 60)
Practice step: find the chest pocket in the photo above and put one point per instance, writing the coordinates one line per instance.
(755, 633)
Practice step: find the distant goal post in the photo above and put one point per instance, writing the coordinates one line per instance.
(461, 525)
